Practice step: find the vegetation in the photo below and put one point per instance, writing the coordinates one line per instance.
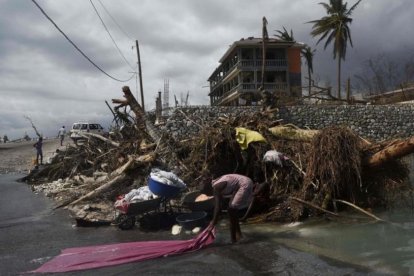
(382, 73)
(308, 53)
(335, 27)
(284, 35)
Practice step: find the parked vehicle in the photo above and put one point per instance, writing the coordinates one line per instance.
(84, 127)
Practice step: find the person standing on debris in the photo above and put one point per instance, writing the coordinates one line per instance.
(240, 190)
(39, 153)
(5, 138)
(61, 134)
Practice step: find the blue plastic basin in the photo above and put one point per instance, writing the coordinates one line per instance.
(161, 189)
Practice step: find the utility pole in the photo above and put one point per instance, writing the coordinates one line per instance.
(140, 77)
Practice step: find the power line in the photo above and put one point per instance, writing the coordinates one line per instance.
(76, 47)
(113, 40)
(113, 19)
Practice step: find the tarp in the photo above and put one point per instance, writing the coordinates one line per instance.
(81, 258)
(245, 136)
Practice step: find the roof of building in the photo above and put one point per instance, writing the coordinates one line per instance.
(253, 41)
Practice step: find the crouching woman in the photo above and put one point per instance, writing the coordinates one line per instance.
(240, 190)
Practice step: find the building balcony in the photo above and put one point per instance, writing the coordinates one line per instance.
(251, 65)
(272, 64)
(253, 87)
(243, 88)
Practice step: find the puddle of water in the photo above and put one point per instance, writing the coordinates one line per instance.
(384, 247)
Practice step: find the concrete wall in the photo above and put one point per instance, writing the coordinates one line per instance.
(372, 122)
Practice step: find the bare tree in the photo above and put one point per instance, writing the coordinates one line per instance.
(383, 73)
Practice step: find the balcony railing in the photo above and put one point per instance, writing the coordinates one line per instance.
(250, 64)
(251, 87)
(254, 87)
(273, 63)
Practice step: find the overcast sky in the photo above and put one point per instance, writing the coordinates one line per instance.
(44, 77)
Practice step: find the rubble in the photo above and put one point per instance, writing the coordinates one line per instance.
(323, 167)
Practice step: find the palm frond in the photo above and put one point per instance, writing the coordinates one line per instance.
(353, 7)
(284, 35)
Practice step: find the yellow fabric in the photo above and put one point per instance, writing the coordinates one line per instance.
(245, 136)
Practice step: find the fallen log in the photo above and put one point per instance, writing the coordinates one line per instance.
(100, 137)
(396, 149)
(124, 167)
(119, 176)
(291, 132)
(115, 181)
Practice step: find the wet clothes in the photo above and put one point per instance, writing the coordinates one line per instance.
(81, 258)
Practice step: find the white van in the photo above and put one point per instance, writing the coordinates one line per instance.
(84, 127)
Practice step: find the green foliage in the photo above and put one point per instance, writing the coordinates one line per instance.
(284, 35)
(308, 53)
(334, 27)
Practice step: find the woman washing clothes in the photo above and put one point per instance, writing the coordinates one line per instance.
(240, 190)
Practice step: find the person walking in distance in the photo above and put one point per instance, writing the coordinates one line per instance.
(39, 153)
(61, 134)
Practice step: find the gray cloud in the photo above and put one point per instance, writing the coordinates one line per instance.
(43, 76)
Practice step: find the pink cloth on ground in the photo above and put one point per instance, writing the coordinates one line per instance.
(81, 258)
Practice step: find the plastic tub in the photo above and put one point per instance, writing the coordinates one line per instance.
(189, 221)
(161, 189)
(189, 202)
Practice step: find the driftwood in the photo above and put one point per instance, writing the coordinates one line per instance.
(291, 132)
(359, 209)
(314, 206)
(115, 181)
(124, 167)
(119, 176)
(33, 126)
(395, 150)
(100, 137)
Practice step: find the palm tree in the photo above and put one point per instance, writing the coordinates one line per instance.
(308, 53)
(265, 38)
(334, 27)
(284, 35)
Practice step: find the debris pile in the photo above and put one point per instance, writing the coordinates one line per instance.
(321, 168)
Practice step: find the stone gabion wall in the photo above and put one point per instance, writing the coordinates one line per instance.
(371, 122)
(185, 122)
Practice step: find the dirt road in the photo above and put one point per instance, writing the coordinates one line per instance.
(16, 157)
